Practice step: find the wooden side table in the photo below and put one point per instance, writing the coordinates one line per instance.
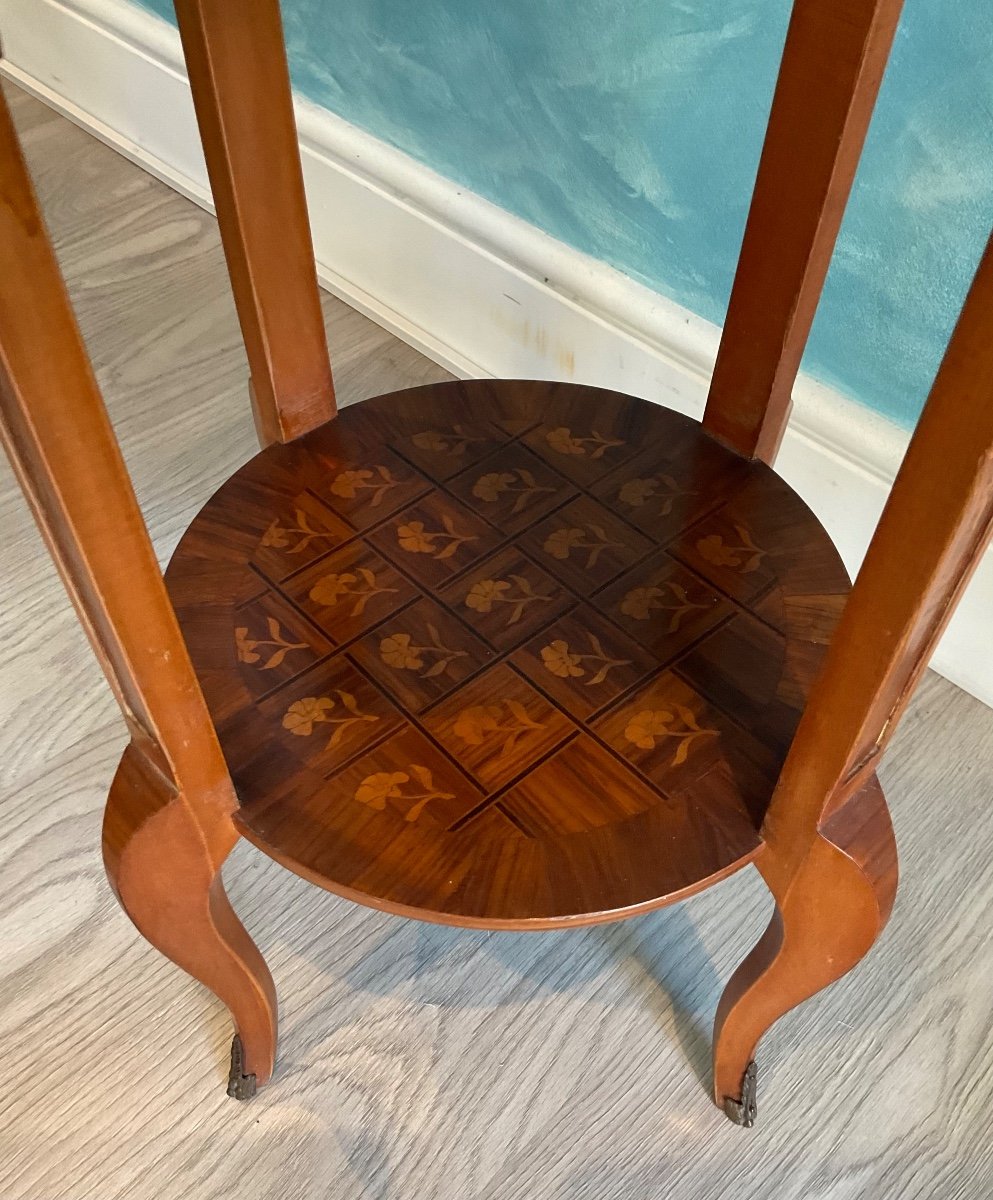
(504, 654)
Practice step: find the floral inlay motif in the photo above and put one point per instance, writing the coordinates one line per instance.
(565, 442)
(376, 789)
(507, 720)
(592, 538)
(641, 602)
(567, 664)
(661, 491)
(304, 715)
(360, 586)
(484, 595)
(379, 481)
(279, 537)
(415, 539)
(248, 648)
(651, 724)
(398, 651)
(499, 483)
(454, 444)
(745, 558)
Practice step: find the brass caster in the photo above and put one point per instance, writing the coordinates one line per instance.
(743, 1111)
(240, 1085)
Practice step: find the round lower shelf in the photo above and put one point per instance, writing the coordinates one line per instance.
(506, 654)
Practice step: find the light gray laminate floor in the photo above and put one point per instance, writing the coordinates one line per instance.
(420, 1062)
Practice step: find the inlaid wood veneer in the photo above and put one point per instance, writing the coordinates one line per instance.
(537, 642)
(504, 654)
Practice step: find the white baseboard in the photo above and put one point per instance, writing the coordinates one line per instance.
(475, 288)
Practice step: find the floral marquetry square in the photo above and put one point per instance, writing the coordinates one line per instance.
(727, 550)
(583, 452)
(435, 539)
(758, 548)
(366, 493)
(585, 545)
(583, 661)
(512, 488)
(443, 450)
(328, 715)
(506, 598)
(273, 643)
(497, 726)
(300, 531)
(421, 655)
(665, 489)
(588, 433)
(349, 592)
(404, 781)
(663, 606)
(673, 735)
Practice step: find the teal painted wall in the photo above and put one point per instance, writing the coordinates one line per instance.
(632, 131)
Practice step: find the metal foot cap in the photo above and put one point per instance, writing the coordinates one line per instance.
(743, 1111)
(240, 1085)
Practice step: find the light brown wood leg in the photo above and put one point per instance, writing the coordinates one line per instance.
(165, 869)
(241, 89)
(168, 824)
(830, 908)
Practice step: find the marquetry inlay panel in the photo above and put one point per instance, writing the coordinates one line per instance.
(506, 651)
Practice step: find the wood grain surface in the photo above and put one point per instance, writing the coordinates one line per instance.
(830, 73)
(420, 1060)
(241, 91)
(512, 653)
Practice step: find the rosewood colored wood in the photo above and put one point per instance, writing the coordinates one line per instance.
(832, 66)
(241, 89)
(355, 982)
(504, 654)
(168, 826)
(529, 668)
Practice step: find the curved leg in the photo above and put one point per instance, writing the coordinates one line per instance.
(165, 867)
(830, 909)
